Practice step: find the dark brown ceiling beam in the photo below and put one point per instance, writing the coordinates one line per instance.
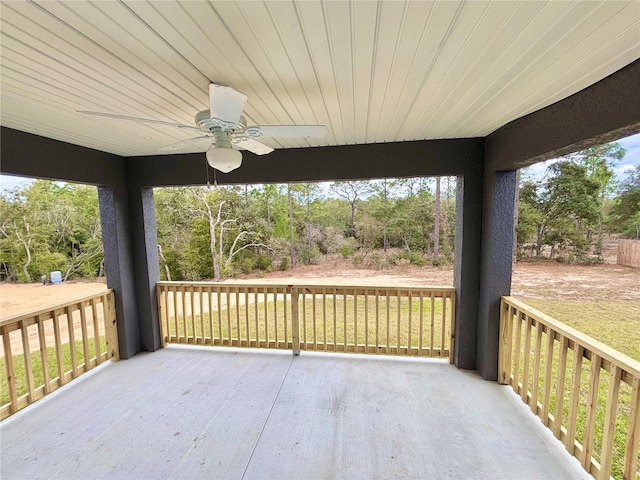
(34, 156)
(603, 112)
(348, 162)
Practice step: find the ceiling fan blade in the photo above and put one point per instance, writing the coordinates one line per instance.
(285, 131)
(136, 119)
(225, 105)
(252, 145)
(182, 143)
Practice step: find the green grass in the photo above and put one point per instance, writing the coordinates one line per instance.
(323, 322)
(38, 369)
(616, 323)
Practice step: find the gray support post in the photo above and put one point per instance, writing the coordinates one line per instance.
(466, 268)
(145, 262)
(118, 261)
(496, 265)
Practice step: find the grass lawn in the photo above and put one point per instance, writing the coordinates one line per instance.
(616, 323)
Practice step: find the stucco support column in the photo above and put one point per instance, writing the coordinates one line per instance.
(118, 262)
(466, 272)
(145, 262)
(131, 262)
(496, 264)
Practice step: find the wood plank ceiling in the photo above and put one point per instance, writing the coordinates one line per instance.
(371, 71)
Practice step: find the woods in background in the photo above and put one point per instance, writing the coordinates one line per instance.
(223, 231)
(213, 233)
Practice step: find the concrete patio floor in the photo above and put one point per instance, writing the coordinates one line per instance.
(196, 412)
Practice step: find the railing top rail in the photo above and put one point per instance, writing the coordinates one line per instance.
(603, 350)
(41, 311)
(416, 288)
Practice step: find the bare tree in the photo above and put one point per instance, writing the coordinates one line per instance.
(217, 228)
(352, 192)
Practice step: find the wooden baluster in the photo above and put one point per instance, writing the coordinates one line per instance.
(43, 355)
(28, 364)
(10, 371)
(633, 433)
(432, 324)
(355, 321)
(295, 321)
(192, 295)
(72, 342)
(517, 346)
(58, 344)
(275, 317)
(85, 335)
(608, 437)
(421, 322)
(592, 405)
(504, 355)
(324, 317)
(452, 328)
(388, 321)
(210, 309)
(229, 333)
(304, 319)
(313, 313)
(286, 320)
(366, 321)
(111, 327)
(572, 416)
(443, 322)
(525, 370)
(537, 354)
(344, 319)
(246, 317)
(203, 335)
(410, 300)
(546, 402)
(256, 317)
(398, 328)
(175, 317)
(96, 331)
(562, 372)
(237, 308)
(377, 322)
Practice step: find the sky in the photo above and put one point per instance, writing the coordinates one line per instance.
(630, 160)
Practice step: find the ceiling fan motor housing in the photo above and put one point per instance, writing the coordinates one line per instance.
(208, 124)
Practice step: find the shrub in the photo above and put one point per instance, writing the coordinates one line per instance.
(263, 262)
(285, 263)
(413, 257)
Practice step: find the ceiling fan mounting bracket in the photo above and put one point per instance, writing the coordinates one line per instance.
(211, 125)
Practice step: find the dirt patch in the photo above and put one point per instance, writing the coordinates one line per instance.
(22, 298)
(534, 279)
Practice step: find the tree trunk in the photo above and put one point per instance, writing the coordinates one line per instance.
(436, 223)
(166, 267)
(539, 234)
(26, 243)
(292, 256)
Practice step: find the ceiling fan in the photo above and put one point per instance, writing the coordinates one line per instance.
(226, 128)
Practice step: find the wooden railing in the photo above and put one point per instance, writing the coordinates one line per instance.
(44, 349)
(587, 393)
(388, 320)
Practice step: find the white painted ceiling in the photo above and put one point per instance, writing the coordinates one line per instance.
(370, 71)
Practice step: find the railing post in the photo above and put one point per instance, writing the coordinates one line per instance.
(111, 332)
(163, 315)
(295, 319)
(504, 347)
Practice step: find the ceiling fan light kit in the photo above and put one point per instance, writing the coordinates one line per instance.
(227, 128)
